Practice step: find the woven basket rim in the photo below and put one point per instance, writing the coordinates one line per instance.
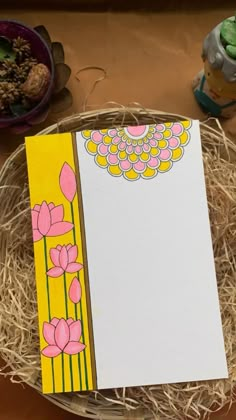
(78, 117)
(65, 401)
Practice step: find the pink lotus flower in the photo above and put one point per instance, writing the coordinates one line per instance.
(67, 182)
(75, 291)
(47, 220)
(62, 336)
(64, 260)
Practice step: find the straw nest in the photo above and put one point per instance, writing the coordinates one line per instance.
(19, 345)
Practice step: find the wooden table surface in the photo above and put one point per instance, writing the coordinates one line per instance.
(149, 59)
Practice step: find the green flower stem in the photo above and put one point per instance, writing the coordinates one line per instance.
(79, 361)
(85, 362)
(47, 279)
(73, 221)
(49, 305)
(53, 378)
(67, 316)
(71, 374)
(76, 316)
(62, 372)
(65, 295)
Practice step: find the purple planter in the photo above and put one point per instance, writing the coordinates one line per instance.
(12, 29)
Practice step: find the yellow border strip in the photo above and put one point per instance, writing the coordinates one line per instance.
(46, 156)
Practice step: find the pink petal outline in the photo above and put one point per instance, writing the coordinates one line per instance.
(67, 181)
(44, 219)
(72, 253)
(37, 208)
(73, 267)
(48, 333)
(74, 348)
(55, 272)
(51, 351)
(54, 321)
(54, 255)
(57, 214)
(63, 258)
(36, 235)
(60, 228)
(75, 331)
(69, 321)
(34, 216)
(75, 291)
(51, 206)
(62, 334)
(96, 136)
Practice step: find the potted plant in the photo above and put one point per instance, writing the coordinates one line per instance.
(33, 76)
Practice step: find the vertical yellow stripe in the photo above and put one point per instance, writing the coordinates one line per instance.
(46, 156)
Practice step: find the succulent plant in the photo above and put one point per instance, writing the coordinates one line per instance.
(9, 67)
(22, 48)
(24, 81)
(28, 63)
(15, 66)
(9, 93)
(6, 51)
(10, 71)
(228, 37)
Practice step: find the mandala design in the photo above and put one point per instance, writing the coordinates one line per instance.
(138, 152)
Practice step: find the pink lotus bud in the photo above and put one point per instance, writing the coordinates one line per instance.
(68, 182)
(75, 291)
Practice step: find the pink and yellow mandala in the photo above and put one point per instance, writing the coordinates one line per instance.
(138, 152)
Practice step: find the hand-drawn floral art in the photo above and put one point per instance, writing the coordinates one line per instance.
(62, 336)
(67, 182)
(75, 291)
(64, 260)
(139, 151)
(47, 220)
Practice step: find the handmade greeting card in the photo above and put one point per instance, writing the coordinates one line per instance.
(125, 274)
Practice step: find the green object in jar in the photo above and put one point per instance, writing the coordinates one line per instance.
(6, 51)
(228, 32)
(231, 51)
